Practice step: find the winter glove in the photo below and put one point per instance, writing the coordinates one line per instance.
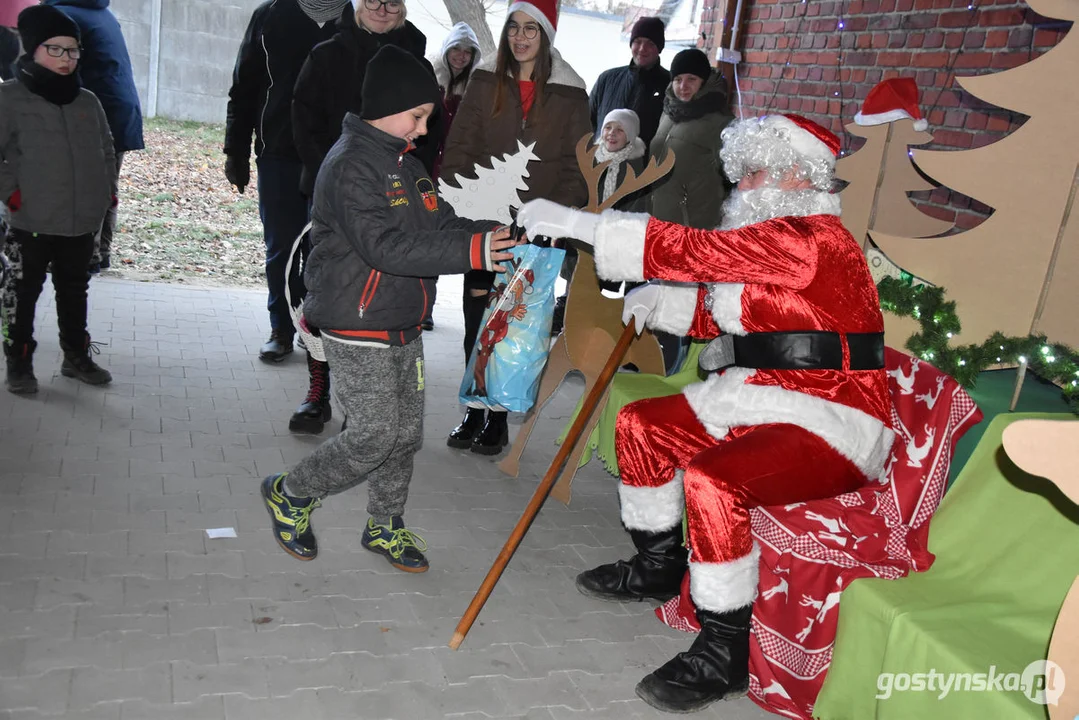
(238, 171)
(543, 217)
(640, 302)
(15, 201)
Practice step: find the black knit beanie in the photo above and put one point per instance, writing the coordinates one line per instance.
(648, 27)
(38, 23)
(396, 81)
(693, 62)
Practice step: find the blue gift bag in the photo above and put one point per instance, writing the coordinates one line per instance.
(515, 336)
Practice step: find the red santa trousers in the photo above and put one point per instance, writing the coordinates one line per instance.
(669, 463)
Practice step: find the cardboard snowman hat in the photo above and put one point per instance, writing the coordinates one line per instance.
(891, 100)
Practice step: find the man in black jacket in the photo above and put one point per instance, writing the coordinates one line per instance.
(638, 86)
(279, 36)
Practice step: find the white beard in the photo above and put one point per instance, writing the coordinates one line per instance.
(746, 207)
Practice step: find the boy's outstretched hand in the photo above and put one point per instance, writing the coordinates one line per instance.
(501, 239)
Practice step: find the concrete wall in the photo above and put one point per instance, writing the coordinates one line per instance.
(198, 44)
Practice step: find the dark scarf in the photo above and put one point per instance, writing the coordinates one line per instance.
(706, 104)
(54, 87)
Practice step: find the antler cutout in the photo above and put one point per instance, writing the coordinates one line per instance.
(593, 173)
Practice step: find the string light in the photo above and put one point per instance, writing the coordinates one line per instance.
(939, 325)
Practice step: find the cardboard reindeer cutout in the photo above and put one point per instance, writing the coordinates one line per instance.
(593, 322)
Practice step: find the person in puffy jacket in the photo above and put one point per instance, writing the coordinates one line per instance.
(380, 234)
(105, 69)
(278, 39)
(330, 85)
(453, 69)
(58, 178)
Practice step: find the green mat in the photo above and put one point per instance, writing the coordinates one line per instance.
(1007, 547)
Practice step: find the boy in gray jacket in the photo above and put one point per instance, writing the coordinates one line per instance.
(380, 234)
(58, 178)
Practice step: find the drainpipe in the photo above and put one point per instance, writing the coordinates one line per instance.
(155, 57)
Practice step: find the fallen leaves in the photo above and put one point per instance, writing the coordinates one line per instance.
(179, 218)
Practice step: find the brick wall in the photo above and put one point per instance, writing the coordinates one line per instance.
(796, 58)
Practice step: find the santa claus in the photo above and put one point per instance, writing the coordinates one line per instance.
(796, 405)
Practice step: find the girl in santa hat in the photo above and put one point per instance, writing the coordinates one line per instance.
(525, 93)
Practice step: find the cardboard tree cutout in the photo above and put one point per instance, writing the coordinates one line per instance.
(494, 190)
(1016, 272)
(879, 176)
(593, 322)
(1050, 448)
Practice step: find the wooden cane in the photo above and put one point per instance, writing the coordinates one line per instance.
(544, 489)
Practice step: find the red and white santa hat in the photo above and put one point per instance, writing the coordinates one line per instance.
(891, 100)
(545, 12)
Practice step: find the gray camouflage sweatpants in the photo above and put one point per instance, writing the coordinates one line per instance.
(381, 389)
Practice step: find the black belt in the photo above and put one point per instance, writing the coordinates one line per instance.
(813, 350)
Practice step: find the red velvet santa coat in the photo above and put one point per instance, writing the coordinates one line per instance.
(786, 274)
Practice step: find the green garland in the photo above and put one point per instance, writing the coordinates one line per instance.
(926, 304)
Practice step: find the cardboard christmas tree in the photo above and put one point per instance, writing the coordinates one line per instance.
(1017, 272)
(490, 195)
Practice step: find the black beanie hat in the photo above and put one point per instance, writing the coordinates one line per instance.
(396, 81)
(38, 23)
(648, 27)
(693, 62)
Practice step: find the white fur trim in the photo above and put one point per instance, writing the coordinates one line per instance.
(727, 307)
(654, 509)
(536, 14)
(619, 246)
(830, 204)
(561, 72)
(724, 586)
(891, 116)
(675, 308)
(728, 400)
(803, 142)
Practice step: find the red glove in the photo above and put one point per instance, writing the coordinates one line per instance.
(15, 201)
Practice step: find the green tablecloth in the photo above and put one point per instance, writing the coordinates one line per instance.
(1007, 552)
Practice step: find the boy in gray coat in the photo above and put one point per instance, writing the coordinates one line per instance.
(380, 234)
(58, 179)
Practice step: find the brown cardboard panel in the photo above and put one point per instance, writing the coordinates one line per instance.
(998, 271)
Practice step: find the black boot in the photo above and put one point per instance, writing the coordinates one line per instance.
(277, 347)
(79, 365)
(655, 572)
(494, 436)
(716, 666)
(314, 412)
(462, 435)
(20, 368)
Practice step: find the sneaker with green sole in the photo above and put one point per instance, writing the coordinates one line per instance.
(290, 518)
(403, 548)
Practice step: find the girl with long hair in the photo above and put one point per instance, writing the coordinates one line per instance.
(526, 93)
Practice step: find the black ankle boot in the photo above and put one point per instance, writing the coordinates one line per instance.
(716, 666)
(494, 436)
(655, 572)
(20, 368)
(79, 364)
(314, 412)
(462, 435)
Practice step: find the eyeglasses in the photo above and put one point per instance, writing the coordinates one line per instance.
(530, 31)
(393, 7)
(59, 50)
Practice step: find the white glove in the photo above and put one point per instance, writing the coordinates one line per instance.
(640, 302)
(543, 217)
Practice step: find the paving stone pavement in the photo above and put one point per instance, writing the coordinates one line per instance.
(115, 605)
